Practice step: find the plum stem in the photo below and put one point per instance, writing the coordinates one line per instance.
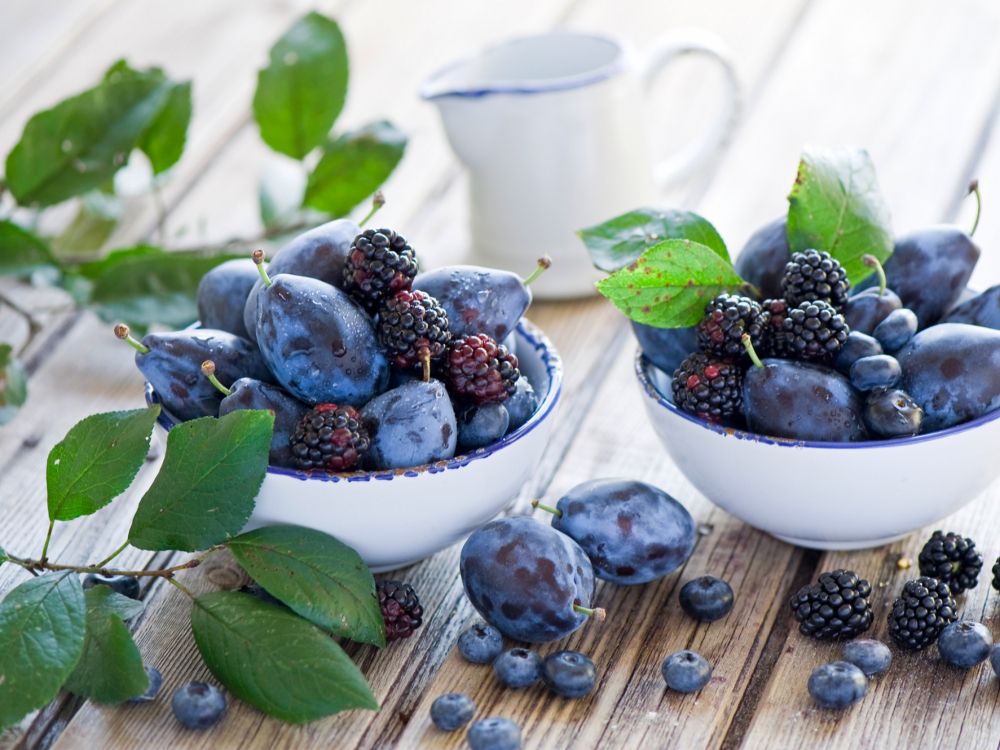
(425, 359)
(974, 189)
(595, 613)
(547, 508)
(208, 368)
(544, 264)
(748, 345)
(378, 200)
(257, 256)
(872, 262)
(122, 332)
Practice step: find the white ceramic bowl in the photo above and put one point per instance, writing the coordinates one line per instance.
(830, 496)
(397, 517)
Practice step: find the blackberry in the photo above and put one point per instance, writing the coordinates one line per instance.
(708, 387)
(379, 264)
(774, 342)
(951, 559)
(814, 275)
(329, 437)
(834, 608)
(727, 318)
(814, 331)
(921, 612)
(413, 328)
(478, 368)
(996, 574)
(401, 609)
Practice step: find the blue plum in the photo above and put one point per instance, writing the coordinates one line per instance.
(222, 295)
(632, 532)
(879, 371)
(521, 404)
(411, 425)
(867, 308)
(530, 582)
(981, 310)
(480, 425)
(666, 347)
(762, 259)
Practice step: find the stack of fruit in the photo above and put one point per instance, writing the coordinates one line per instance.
(365, 363)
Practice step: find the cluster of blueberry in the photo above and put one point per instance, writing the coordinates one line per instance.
(364, 363)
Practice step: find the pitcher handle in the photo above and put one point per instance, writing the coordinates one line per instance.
(694, 41)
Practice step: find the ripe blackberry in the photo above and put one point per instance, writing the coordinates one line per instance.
(379, 264)
(814, 275)
(921, 612)
(329, 437)
(727, 318)
(413, 328)
(814, 331)
(951, 559)
(478, 368)
(774, 342)
(708, 387)
(401, 609)
(834, 608)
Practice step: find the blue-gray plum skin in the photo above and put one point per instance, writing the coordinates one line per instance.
(247, 393)
(666, 347)
(632, 532)
(981, 310)
(481, 425)
(411, 425)
(222, 295)
(866, 309)
(524, 577)
(477, 299)
(173, 368)
(320, 346)
(952, 371)
(521, 404)
(762, 259)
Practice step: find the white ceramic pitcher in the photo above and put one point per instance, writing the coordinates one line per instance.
(553, 133)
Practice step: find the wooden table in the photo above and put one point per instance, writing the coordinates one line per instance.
(915, 81)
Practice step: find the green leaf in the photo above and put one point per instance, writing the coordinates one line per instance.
(836, 205)
(302, 90)
(206, 488)
(81, 142)
(163, 140)
(110, 669)
(669, 285)
(619, 241)
(274, 660)
(317, 576)
(3, 556)
(97, 461)
(13, 384)
(42, 626)
(95, 220)
(353, 167)
(22, 252)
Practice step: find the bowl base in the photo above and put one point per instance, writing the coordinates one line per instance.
(831, 545)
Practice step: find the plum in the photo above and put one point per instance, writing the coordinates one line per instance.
(980, 310)
(411, 425)
(867, 308)
(858, 345)
(762, 259)
(521, 404)
(666, 347)
(222, 295)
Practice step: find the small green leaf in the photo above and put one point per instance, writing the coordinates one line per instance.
(95, 220)
(302, 90)
(353, 167)
(274, 660)
(22, 252)
(619, 241)
(317, 576)
(163, 140)
(110, 669)
(836, 205)
(206, 488)
(3, 556)
(670, 284)
(13, 384)
(97, 461)
(42, 627)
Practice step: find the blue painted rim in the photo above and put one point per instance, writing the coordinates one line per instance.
(545, 86)
(529, 335)
(642, 363)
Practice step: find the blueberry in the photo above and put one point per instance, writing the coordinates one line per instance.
(518, 668)
(494, 734)
(666, 347)
(858, 345)
(870, 656)
(965, 643)
(481, 425)
(411, 425)
(995, 659)
(707, 598)
(124, 585)
(155, 681)
(837, 685)
(880, 371)
(868, 308)
(480, 644)
(892, 413)
(452, 711)
(569, 673)
(222, 295)
(897, 328)
(686, 671)
(521, 404)
(198, 705)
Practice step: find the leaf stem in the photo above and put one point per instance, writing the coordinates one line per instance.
(974, 189)
(35, 565)
(378, 200)
(178, 585)
(48, 538)
(112, 556)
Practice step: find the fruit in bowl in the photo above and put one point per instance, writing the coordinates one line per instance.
(392, 433)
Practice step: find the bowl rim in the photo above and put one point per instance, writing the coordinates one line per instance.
(651, 392)
(529, 333)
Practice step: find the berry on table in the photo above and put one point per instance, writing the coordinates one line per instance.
(815, 275)
(452, 711)
(480, 644)
(124, 585)
(835, 607)
(706, 598)
(518, 668)
(965, 643)
(727, 318)
(837, 685)
(686, 671)
(155, 682)
(379, 264)
(479, 369)
(952, 559)
(814, 331)
(494, 734)
(995, 660)
(870, 656)
(413, 328)
(401, 609)
(329, 437)
(996, 574)
(198, 705)
(708, 387)
(569, 673)
(921, 612)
